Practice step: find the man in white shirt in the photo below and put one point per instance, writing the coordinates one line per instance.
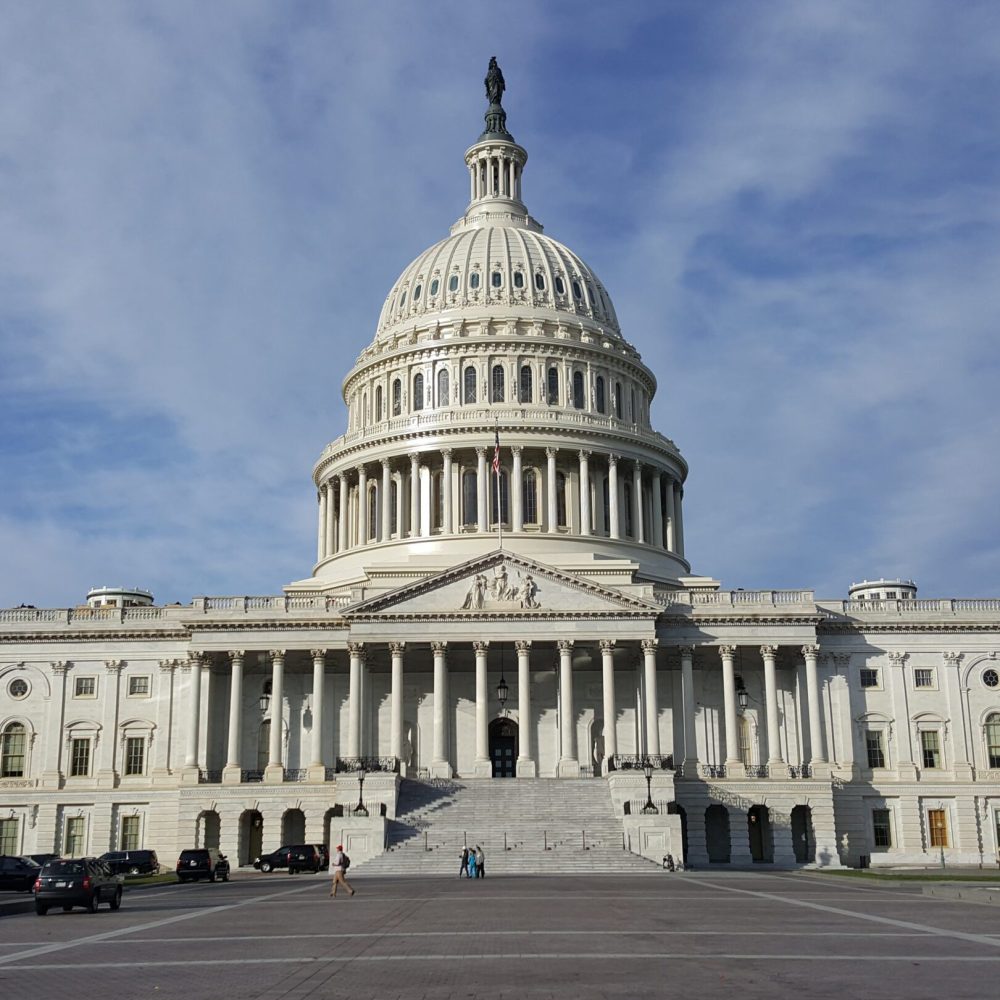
(340, 863)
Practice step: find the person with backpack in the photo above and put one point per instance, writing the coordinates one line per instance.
(480, 862)
(341, 862)
(463, 869)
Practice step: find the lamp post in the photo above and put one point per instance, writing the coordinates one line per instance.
(742, 694)
(359, 809)
(264, 702)
(647, 769)
(502, 689)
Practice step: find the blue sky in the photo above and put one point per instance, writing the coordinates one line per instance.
(202, 206)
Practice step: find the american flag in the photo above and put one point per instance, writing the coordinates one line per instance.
(496, 453)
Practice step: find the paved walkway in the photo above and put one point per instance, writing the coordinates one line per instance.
(698, 933)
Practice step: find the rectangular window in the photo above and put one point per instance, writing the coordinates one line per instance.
(876, 748)
(882, 828)
(85, 687)
(79, 758)
(75, 830)
(923, 677)
(130, 833)
(135, 755)
(937, 824)
(8, 836)
(138, 687)
(930, 748)
(869, 677)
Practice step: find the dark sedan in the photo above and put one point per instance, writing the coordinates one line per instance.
(69, 882)
(17, 874)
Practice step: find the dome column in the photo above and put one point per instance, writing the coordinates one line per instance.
(414, 495)
(584, 492)
(550, 490)
(516, 508)
(440, 768)
(342, 518)
(671, 518)
(637, 504)
(658, 509)
(447, 521)
(614, 521)
(321, 533)
(385, 528)
(362, 505)
(678, 515)
(482, 492)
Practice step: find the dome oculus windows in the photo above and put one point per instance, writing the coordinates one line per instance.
(518, 279)
(539, 281)
(416, 293)
(18, 688)
(453, 283)
(474, 279)
(991, 678)
(560, 285)
(577, 291)
(435, 285)
(496, 279)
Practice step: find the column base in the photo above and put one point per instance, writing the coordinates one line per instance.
(51, 779)
(274, 774)
(482, 769)
(440, 769)
(568, 768)
(190, 774)
(316, 772)
(689, 769)
(526, 768)
(906, 771)
(821, 769)
(963, 771)
(777, 769)
(231, 775)
(735, 769)
(105, 779)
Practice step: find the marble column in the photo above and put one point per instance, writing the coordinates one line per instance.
(107, 766)
(414, 495)
(569, 766)
(679, 516)
(687, 696)
(768, 653)
(194, 712)
(483, 766)
(657, 532)
(614, 517)
(526, 767)
(396, 650)
(232, 772)
(331, 519)
(275, 770)
(516, 509)
(610, 709)
(652, 700)
(671, 518)
(638, 506)
(817, 750)
(321, 533)
(357, 652)
(550, 490)
(343, 520)
(734, 765)
(317, 766)
(447, 520)
(385, 521)
(362, 506)
(440, 766)
(482, 492)
(584, 492)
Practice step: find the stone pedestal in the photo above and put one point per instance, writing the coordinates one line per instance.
(526, 768)
(274, 774)
(440, 769)
(51, 779)
(568, 769)
(735, 769)
(316, 772)
(232, 775)
(190, 775)
(482, 769)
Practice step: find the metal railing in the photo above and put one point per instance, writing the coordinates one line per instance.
(209, 777)
(251, 777)
(295, 774)
(799, 771)
(389, 765)
(757, 771)
(637, 762)
(712, 770)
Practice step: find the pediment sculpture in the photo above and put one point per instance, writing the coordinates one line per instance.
(500, 592)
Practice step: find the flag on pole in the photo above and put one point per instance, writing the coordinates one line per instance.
(496, 452)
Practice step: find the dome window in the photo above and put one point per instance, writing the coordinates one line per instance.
(496, 279)
(453, 283)
(470, 498)
(402, 300)
(397, 397)
(578, 397)
(540, 281)
(577, 291)
(416, 293)
(435, 284)
(469, 385)
(442, 387)
(378, 402)
(474, 279)
(497, 394)
(418, 391)
(560, 285)
(599, 393)
(553, 387)
(525, 386)
(618, 400)
(518, 279)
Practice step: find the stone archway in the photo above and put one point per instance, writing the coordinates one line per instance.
(503, 748)
(293, 827)
(761, 838)
(251, 838)
(717, 841)
(803, 836)
(209, 832)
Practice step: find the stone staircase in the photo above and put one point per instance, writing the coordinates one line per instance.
(525, 826)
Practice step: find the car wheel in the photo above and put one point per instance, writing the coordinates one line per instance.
(265, 866)
(41, 909)
(116, 900)
(134, 870)
(211, 878)
(95, 902)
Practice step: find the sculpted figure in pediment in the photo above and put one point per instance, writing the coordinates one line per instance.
(477, 593)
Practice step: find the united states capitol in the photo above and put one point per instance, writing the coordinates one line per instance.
(503, 639)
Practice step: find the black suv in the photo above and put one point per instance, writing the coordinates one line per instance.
(132, 862)
(294, 857)
(69, 882)
(17, 874)
(202, 862)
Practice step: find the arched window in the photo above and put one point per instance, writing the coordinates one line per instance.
(469, 385)
(540, 281)
(264, 745)
(397, 397)
(378, 402)
(578, 397)
(618, 400)
(497, 385)
(599, 393)
(470, 498)
(393, 507)
(443, 387)
(561, 499)
(605, 494)
(372, 510)
(437, 500)
(12, 745)
(418, 391)
(365, 414)
(553, 386)
(504, 490)
(632, 408)
(453, 283)
(524, 388)
(627, 490)
(529, 490)
(993, 740)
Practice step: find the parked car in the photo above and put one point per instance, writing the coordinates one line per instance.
(69, 882)
(294, 857)
(202, 862)
(17, 874)
(132, 862)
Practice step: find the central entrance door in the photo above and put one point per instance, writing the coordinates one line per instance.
(503, 748)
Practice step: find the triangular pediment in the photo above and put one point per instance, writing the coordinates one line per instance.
(500, 584)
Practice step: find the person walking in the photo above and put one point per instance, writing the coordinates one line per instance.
(472, 864)
(464, 866)
(480, 862)
(340, 864)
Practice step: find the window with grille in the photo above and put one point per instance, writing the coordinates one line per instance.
(75, 831)
(618, 400)
(130, 833)
(12, 744)
(85, 687)
(923, 677)
(79, 757)
(553, 387)
(930, 747)
(397, 397)
(135, 755)
(599, 400)
(418, 391)
(8, 836)
(881, 829)
(470, 498)
(993, 740)
(393, 507)
(372, 510)
(469, 387)
(497, 384)
(937, 825)
(138, 687)
(579, 400)
(504, 490)
(875, 745)
(524, 387)
(529, 489)
(378, 402)
(632, 407)
(869, 677)
(561, 499)
(443, 387)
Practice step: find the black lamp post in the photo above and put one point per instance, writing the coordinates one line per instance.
(359, 809)
(502, 689)
(647, 769)
(742, 695)
(264, 701)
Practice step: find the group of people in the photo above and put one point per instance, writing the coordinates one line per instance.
(473, 863)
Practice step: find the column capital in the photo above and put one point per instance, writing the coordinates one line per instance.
(523, 645)
(898, 659)
(550, 452)
(637, 466)
(114, 666)
(168, 666)
(414, 458)
(650, 645)
(810, 651)
(356, 648)
(516, 449)
(584, 454)
(193, 660)
(480, 647)
(277, 654)
(686, 651)
(612, 460)
(396, 648)
(237, 654)
(318, 654)
(361, 470)
(565, 645)
(727, 651)
(439, 648)
(60, 667)
(768, 652)
(952, 659)
(607, 645)
(446, 452)
(384, 463)
(481, 450)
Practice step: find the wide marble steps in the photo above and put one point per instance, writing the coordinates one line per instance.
(525, 826)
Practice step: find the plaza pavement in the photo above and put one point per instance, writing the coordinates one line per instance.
(697, 934)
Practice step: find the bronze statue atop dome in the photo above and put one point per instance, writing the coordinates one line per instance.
(495, 85)
(496, 117)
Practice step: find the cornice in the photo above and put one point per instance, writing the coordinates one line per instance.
(834, 628)
(90, 635)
